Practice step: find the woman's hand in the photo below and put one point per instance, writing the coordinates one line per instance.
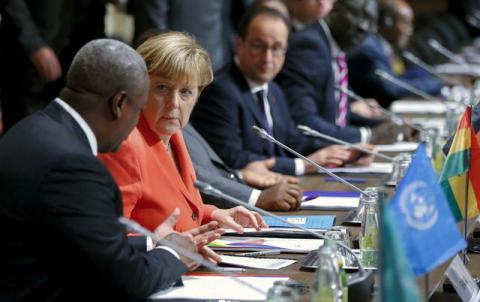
(237, 218)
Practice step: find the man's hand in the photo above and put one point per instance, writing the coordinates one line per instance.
(281, 197)
(388, 132)
(365, 110)
(360, 158)
(334, 155)
(46, 62)
(238, 217)
(166, 228)
(184, 241)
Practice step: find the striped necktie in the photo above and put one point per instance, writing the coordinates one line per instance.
(261, 99)
(342, 96)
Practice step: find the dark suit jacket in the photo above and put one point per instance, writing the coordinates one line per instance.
(370, 56)
(226, 112)
(308, 81)
(58, 219)
(211, 169)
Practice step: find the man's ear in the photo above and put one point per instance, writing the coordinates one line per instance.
(117, 104)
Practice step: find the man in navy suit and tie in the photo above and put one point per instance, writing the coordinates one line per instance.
(380, 51)
(315, 64)
(243, 95)
(59, 206)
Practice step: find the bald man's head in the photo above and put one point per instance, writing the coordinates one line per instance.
(396, 22)
(107, 84)
(104, 67)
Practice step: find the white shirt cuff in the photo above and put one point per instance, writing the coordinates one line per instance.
(168, 249)
(299, 166)
(365, 134)
(252, 200)
(149, 244)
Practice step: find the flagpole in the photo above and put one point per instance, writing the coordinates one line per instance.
(465, 217)
(427, 286)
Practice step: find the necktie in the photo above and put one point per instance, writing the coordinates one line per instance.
(342, 97)
(261, 99)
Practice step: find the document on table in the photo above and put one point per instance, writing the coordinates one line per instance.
(212, 287)
(290, 245)
(397, 147)
(419, 107)
(253, 262)
(333, 201)
(379, 168)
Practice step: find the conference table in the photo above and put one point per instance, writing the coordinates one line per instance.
(317, 182)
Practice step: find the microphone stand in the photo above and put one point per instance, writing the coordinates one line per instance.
(447, 53)
(394, 117)
(135, 227)
(310, 132)
(404, 85)
(208, 189)
(418, 62)
(262, 133)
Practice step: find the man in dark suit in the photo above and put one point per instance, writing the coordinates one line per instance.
(279, 192)
(315, 63)
(59, 205)
(243, 95)
(380, 51)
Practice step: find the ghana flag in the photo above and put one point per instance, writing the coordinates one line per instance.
(461, 165)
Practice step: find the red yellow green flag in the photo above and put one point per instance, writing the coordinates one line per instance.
(460, 167)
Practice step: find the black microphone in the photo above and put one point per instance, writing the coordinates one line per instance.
(310, 132)
(393, 117)
(405, 85)
(262, 133)
(136, 228)
(210, 190)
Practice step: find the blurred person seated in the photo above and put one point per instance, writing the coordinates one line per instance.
(305, 12)
(382, 51)
(59, 206)
(316, 64)
(254, 184)
(153, 168)
(243, 95)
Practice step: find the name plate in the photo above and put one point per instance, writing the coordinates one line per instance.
(462, 281)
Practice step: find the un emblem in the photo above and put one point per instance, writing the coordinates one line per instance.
(418, 205)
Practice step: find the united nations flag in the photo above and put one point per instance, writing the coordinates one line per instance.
(423, 218)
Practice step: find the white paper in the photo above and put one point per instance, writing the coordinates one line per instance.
(397, 147)
(461, 280)
(253, 262)
(379, 168)
(291, 245)
(333, 202)
(219, 288)
(418, 107)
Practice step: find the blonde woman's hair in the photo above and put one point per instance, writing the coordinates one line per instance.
(177, 56)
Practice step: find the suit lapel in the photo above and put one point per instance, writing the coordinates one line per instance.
(247, 96)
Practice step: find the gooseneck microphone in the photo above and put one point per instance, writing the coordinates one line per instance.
(393, 117)
(135, 227)
(310, 132)
(262, 133)
(409, 56)
(210, 190)
(382, 74)
(446, 53)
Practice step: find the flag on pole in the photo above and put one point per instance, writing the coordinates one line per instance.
(423, 218)
(458, 172)
(397, 279)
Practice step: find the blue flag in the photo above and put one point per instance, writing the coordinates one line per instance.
(423, 218)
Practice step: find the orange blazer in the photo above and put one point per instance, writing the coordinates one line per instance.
(150, 183)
